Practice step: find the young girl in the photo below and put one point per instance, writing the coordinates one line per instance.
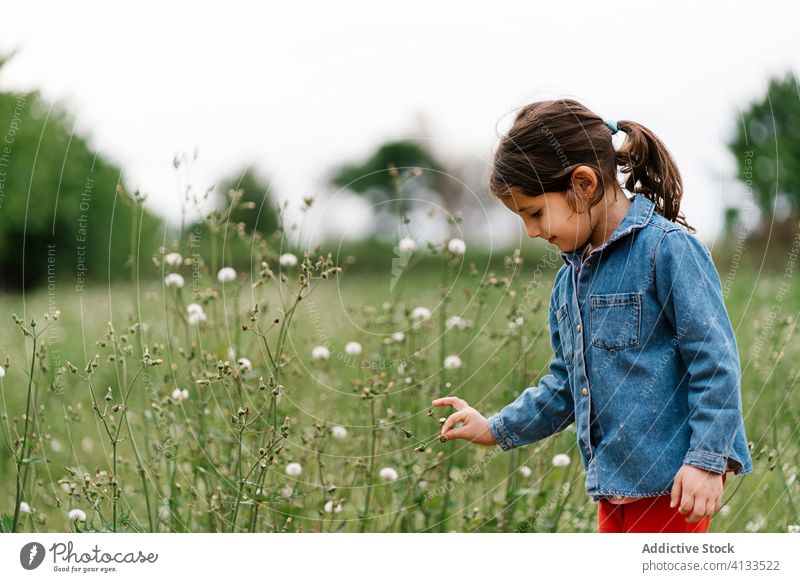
(646, 363)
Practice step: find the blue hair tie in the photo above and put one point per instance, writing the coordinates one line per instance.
(612, 125)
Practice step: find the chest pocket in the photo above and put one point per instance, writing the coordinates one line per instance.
(615, 319)
(565, 332)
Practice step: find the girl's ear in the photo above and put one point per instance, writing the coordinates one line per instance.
(584, 182)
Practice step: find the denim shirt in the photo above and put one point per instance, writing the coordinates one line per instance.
(646, 363)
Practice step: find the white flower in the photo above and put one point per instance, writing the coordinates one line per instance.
(287, 260)
(452, 362)
(56, 445)
(388, 474)
(173, 280)
(725, 510)
(320, 353)
(339, 432)
(25, 508)
(525, 471)
(561, 460)
(194, 308)
(196, 317)
(77, 515)
(398, 336)
(329, 508)
(173, 259)
(792, 528)
(245, 365)
(516, 323)
(226, 275)
(407, 245)
(420, 314)
(180, 395)
(287, 491)
(294, 469)
(456, 321)
(352, 348)
(456, 246)
(2, 372)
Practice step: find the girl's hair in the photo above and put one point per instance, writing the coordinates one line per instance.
(549, 139)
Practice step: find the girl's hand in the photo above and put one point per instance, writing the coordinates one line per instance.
(696, 491)
(475, 428)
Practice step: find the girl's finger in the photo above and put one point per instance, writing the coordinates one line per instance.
(452, 419)
(687, 503)
(677, 490)
(457, 433)
(453, 401)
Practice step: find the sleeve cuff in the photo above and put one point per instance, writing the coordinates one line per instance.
(704, 460)
(504, 438)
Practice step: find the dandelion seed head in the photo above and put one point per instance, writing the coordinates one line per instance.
(452, 362)
(244, 364)
(456, 321)
(352, 348)
(294, 469)
(180, 394)
(457, 246)
(339, 432)
(194, 308)
(407, 245)
(24, 507)
(320, 353)
(561, 460)
(287, 260)
(525, 471)
(77, 515)
(388, 474)
(226, 275)
(173, 280)
(173, 259)
(420, 314)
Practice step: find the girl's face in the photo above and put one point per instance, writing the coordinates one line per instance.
(548, 216)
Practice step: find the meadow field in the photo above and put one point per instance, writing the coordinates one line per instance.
(296, 397)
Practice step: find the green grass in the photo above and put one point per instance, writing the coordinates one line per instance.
(448, 486)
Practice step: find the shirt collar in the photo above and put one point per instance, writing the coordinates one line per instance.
(638, 215)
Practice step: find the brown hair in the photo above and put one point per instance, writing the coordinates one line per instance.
(549, 139)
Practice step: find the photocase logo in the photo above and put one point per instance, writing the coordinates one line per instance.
(31, 555)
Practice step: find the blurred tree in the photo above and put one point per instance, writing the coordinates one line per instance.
(375, 177)
(256, 208)
(59, 211)
(767, 149)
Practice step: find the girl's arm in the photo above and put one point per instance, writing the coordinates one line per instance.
(689, 289)
(540, 410)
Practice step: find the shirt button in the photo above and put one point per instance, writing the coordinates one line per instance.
(578, 327)
(584, 391)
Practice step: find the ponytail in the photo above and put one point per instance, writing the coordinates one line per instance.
(651, 171)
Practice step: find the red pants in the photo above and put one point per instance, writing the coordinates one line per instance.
(650, 515)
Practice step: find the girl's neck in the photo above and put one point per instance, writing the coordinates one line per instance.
(613, 210)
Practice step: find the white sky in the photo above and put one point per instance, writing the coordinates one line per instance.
(298, 88)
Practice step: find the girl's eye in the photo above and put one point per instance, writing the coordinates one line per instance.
(537, 213)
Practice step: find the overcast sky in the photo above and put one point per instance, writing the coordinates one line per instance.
(298, 88)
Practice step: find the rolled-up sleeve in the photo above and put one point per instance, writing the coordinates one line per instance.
(690, 292)
(542, 410)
